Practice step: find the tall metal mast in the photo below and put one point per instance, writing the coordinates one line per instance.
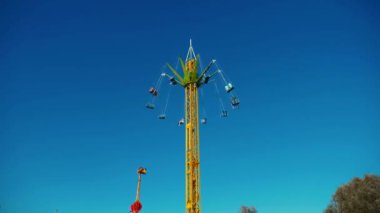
(137, 206)
(191, 81)
(193, 186)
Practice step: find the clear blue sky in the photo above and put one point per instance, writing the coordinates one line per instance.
(73, 84)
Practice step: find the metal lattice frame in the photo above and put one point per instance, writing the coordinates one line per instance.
(191, 81)
(193, 204)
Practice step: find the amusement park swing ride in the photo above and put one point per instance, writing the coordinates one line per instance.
(191, 81)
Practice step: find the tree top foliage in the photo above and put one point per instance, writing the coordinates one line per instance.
(245, 209)
(359, 195)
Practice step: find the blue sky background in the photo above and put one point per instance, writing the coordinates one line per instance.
(73, 84)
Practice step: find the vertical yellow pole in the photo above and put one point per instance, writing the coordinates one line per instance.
(193, 204)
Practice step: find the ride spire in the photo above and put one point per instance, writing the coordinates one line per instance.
(190, 53)
(192, 80)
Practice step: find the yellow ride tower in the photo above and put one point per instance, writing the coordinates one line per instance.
(193, 186)
(191, 81)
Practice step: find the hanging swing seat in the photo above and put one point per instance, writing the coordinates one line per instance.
(235, 102)
(229, 87)
(153, 91)
(182, 121)
(150, 106)
(162, 116)
(204, 120)
(205, 79)
(224, 114)
(173, 81)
